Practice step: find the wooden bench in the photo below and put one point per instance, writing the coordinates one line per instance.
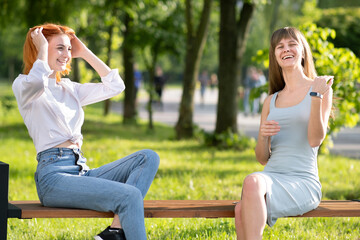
(153, 208)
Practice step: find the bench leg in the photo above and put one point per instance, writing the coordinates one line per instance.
(4, 187)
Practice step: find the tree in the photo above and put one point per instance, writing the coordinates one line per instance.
(345, 67)
(159, 31)
(129, 113)
(195, 42)
(233, 35)
(345, 21)
(16, 16)
(111, 26)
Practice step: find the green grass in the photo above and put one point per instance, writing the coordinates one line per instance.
(187, 171)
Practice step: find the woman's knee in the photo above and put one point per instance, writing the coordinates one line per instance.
(152, 157)
(134, 195)
(254, 184)
(132, 198)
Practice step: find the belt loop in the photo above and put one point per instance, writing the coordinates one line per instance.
(61, 152)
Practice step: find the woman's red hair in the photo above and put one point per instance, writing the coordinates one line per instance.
(30, 53)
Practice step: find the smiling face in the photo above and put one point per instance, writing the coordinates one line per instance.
(289, 53)
(59, 53)
(289, 50)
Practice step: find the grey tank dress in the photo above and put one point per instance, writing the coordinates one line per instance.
(291, 174)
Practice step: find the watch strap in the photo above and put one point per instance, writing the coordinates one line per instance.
(316, 94)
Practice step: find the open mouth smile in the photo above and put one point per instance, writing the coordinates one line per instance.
(287, 57)
(62, 62)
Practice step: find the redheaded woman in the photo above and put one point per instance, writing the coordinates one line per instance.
(51, 107)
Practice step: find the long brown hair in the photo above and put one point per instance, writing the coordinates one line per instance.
(30, 52)
(276, 79)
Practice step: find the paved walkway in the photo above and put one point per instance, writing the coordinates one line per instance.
(346, 143)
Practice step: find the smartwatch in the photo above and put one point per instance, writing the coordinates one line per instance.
(316, 94)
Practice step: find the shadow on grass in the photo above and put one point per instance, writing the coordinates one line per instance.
(21, 173)
(198, 173)
(347, 194)
(17, 131)
(96, 129)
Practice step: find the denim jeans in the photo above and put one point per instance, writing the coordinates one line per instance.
(64, 180)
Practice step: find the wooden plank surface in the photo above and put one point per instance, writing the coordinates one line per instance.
(182, 209)
(335, 208)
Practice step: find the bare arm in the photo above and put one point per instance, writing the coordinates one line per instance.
(79, 50)
(320, 110)
(267, 129)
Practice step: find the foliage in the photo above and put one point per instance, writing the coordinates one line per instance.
(340, 63)
(7, 103)
(187, 170)
(226, 140)
(268, 16)
(345, 67)
(336, 3)
(345, 21)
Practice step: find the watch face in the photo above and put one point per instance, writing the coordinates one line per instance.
(316, 94)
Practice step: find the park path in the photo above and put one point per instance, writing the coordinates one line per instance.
(346, 143)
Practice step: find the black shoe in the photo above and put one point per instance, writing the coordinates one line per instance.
(111, 234)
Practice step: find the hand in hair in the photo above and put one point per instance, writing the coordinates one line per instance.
(40, 43)
(78, 48)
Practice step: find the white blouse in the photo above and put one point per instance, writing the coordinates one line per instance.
(52, 111)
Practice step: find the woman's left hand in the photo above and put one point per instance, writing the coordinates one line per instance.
(78, 48)
(322, 84)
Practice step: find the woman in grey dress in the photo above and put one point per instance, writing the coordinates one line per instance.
(293, 124)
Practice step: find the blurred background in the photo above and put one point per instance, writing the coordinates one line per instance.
(191, 44)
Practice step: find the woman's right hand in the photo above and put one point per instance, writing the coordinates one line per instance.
(269, 128)
(40, 43)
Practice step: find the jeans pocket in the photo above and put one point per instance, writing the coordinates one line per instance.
(47, 160)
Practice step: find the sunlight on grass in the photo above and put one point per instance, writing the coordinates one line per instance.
(187, 170)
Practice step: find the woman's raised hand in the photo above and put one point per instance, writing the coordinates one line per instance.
(322, 84)
(78, 48)
(40, 43)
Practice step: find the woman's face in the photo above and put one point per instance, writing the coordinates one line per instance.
(289, 53)
(59, 53)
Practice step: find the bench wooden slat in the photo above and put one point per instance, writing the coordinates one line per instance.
(335, 208)
(182, 209)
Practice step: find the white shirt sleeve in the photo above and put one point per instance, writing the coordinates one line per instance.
(110, 86)
(29, 87)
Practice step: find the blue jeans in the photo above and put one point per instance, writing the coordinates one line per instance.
(64, 180)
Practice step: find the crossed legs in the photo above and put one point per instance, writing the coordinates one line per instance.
(250, 212)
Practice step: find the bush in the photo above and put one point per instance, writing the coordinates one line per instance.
(227, 140)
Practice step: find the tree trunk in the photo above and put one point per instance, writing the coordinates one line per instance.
(232, 36)
(129, 114)
(107, 102)
(151, 71)
(227, 106)
(243, 28)
(194, 49)
(274, 16)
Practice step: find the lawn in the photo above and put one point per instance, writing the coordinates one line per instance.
(187, 170)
